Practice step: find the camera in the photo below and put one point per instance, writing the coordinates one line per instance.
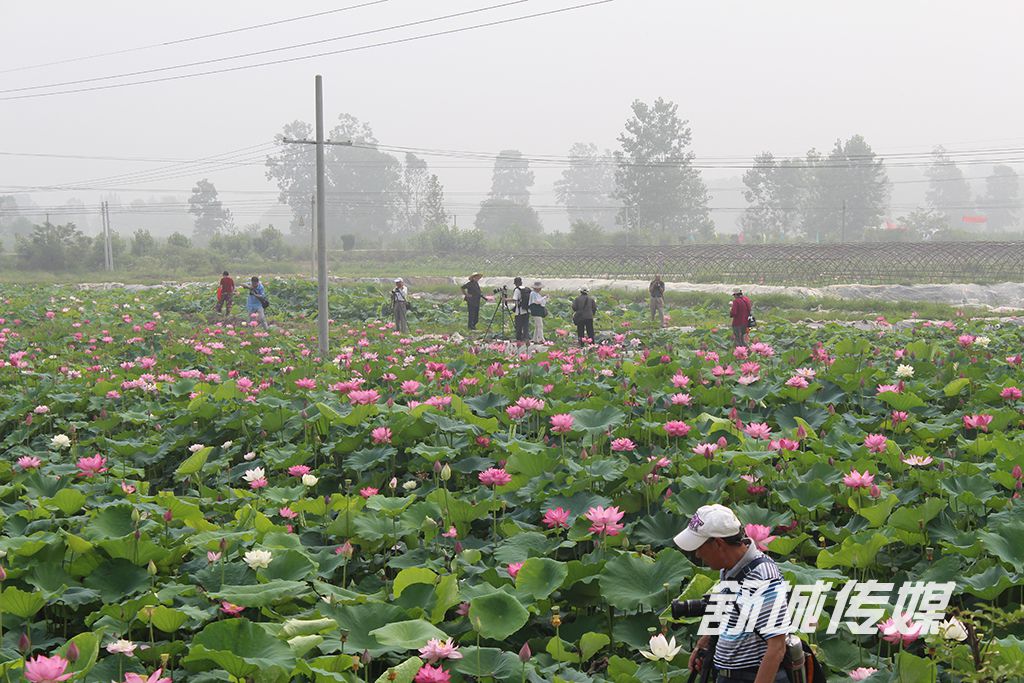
(503, 290)
(682, 609)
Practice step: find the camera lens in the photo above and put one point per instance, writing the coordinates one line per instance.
(689, 608)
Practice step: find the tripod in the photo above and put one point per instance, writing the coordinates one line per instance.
(500, 311)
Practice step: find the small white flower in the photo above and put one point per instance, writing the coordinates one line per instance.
(254, 474)
(258, 559)
(196, 447)
(952, 629)
(410, 485)
(60, 441)
(227, 444)
(982, 341)
(124, 647)
(905, 371)
(662, 649)
(309, 479)
(251, 455)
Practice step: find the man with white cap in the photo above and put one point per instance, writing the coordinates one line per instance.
(400, 304)
(716, 537)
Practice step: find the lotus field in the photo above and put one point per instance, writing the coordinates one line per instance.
(190, 498)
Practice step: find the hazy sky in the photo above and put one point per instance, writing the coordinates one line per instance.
(750, 76)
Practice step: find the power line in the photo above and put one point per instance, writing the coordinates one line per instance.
(179, 41)
(397, 41)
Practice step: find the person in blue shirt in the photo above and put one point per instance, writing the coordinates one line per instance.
(254, 304)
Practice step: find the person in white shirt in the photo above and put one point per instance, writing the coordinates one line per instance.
(538, 309)
(521, 310)
(400, 304)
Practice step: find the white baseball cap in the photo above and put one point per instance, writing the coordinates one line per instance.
(710, 521)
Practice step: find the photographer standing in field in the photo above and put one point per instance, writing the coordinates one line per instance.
(399, 305)
(472, 294)
(583, 310)
(716, 537)
(740, 313)
(521, 310)
(657, 291)
(538, 311)
(257, 301)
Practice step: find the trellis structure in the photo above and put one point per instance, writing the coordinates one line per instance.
(782, 264)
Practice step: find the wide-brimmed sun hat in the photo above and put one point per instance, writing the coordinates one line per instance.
(538, 284)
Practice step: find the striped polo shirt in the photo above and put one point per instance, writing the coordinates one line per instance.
(747, 649)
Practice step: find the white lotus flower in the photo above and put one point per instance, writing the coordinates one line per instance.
(258, 559)
(60, 441)
(254, 474)
(196, 447)
(251, 455)
(982, 341)
(309, 479)
(952, 629)
(410, 485)
(662, 649)
(226, 445)
(122, 646)
(905, 371)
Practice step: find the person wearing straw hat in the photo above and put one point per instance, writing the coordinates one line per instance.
(740, 314)
(399, 305)
(583, 309)
(472, 295)
(538, 311)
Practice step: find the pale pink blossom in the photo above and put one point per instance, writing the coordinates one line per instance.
(436, 649)
(977, 422)
(856, 480)
(605, 521)
(876, 443)
(676, 428)
(381, 435)
(41, 669)
(494, 477)
(759, 534)
(561, 423)
(557, 517)
(91, 466)
(623, 445)
(758, 430)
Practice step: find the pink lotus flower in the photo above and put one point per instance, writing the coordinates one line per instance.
(760, 535)
(605, 521)
(430, 674)
(747, 380)
(513, 568)
(299, 470)
(856, 480)
(902, 629)
(368, 491)
(876, 443)
(494, 477)
(153, 678)
(42, 669)
(623, 445)
(740, 352)
(435, 650)
(28, 462)
(381, 435)
(681, 399)
(1017, 473)
(288, 513)
(679, 380)
(719, 371)
(258, 483)
(306, 383)
(558, 517)
(230, 609)
(797, 382)
(917, 460)
(676, 428)
(762, 349)
(515, 412)
(784, 445)
(750, 368)
(706, 449)
(212, 556)
(965, 340)
(1011, 394)
(90, 467)
(861, 673)
(363, 398)
(898, 417)
(451, 533)
(528, 403)
(894, 388)
(561, 423)
(977, 422)
(758, 430)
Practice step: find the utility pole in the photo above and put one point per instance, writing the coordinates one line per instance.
(321, 237)
(108, 252)
(312, 237)
(842, 235)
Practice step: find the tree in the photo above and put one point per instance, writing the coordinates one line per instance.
(507, 207)
(767, 217)
(584, 233)
(143, 243)
(294, 169)
(1002, 191)
(948, 191)
(178, 241)
(434, 213)
(654, 176)
(53, 247)
(415, 181)
(849, 191)
(586, 186)
(211, 218)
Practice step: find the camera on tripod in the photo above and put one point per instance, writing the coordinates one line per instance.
(503, 289)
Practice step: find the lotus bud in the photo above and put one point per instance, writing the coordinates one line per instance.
(151, 568)
(136, 515)
(722, 442)
(168, 515)
(223, 544)
(446, 472)
(801, 433)
(875, 491)
(393, 484)
(437, 467)
(138, 535)
(524, 652)
(25, 644)
(72, 652)
(458, 547)
(365, 658)
(1017, 472)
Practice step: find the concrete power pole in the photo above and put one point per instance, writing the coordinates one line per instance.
(321, 224)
